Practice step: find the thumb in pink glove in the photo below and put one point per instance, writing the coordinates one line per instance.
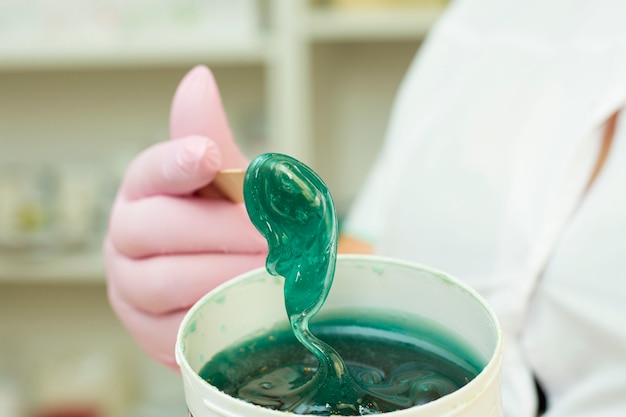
(166, 246)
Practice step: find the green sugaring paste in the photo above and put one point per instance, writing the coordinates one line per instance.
(293, 209)
(398, 362)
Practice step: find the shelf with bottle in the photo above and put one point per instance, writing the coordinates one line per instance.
(76, 34)
(373, 22)
(52, 219)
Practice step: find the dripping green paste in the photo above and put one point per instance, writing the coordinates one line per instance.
(338, 364)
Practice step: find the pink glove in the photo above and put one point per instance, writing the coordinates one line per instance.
(166, 247)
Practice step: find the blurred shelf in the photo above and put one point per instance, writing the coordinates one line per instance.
(281, 48)
(337, 24)
(131, 53)
(71, 268)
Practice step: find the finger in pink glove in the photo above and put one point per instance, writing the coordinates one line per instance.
(166, 247)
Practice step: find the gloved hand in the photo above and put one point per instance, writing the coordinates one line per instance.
(166, 246)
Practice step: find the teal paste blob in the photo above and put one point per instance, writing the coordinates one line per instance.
(292, 208)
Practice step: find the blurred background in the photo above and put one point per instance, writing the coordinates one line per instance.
(86, 84)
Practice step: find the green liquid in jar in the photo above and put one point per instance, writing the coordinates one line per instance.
(294, 210)
(399, 361)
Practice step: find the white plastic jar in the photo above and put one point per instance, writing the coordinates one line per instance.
(254, 302)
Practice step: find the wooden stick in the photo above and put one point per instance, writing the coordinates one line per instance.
(229, 182)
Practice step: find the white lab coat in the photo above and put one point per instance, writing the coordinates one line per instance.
(493, 138)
